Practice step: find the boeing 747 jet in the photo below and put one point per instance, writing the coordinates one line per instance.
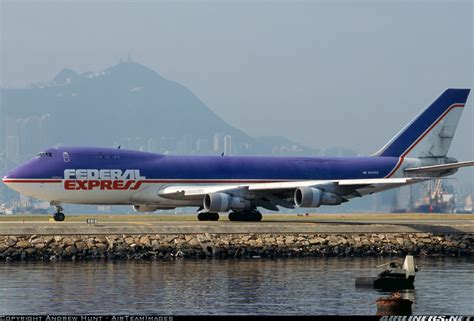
(241, 185)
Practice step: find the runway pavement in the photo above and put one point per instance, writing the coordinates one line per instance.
(273, 224)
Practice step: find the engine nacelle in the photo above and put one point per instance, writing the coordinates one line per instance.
(221, 202)
(314, 197)
(145, 208)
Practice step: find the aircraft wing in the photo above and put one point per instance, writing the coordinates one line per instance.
(439, 168)
(278, 193)
(342, 182)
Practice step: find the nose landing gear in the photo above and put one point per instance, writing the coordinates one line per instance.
(59, 215)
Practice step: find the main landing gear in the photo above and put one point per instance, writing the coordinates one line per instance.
(207, 216)
(59, 215)
(242, 216)
(246, 216)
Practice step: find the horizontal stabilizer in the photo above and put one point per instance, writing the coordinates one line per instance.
(439, 168)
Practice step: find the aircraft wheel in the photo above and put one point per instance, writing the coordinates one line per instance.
(59, 217)
(213, 216)
(253, 216)
(233, 216)
(257, 216)
(206, 216)
(203, 216)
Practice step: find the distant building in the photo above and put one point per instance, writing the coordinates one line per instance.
(203, 146)
(227, 145)
(167, 144)
(152, 146)
(13, 149)
(216, 142)
(134, 143)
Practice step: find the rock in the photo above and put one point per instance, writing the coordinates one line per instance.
(90, 242)
(101, 239)
(317, 240)
(342, 241)
(70, 250)
(81, 246)
(270, 240)
(424, 235)
(39, 246)
(400, 240)
(37, 240)
(22, 244)
(179, 241)
(252, 243)
(129, 240)
(101, 247)
(57, 238)
(68, 241)
(145, 241)
(156, 245)
(10, 250)
(221, 242)
(10, 242)
(30, 251)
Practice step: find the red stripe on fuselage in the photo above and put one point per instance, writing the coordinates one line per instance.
(32, 181)
(148, 181)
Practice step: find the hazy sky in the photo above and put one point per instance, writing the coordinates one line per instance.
(323, 73)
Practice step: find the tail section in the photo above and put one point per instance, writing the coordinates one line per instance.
(431, 132)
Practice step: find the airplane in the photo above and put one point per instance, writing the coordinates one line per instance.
(241, 185)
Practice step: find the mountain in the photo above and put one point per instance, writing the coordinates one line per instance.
(126, 100)
(126, 104)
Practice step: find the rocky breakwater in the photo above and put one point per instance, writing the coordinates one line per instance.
(165, 246)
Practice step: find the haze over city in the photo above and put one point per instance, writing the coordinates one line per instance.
(290, 69)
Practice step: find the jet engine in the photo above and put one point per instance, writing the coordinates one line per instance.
(314, 197)
(221, 202)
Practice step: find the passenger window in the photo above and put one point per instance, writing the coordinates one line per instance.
(66, 157)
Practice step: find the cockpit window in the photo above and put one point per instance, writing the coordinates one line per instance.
(44, 154)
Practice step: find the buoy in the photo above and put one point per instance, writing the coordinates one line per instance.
(394, 305)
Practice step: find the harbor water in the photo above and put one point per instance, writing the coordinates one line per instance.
(247, 286)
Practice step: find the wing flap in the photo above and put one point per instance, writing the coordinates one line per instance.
(197, 191)
(190, 191)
